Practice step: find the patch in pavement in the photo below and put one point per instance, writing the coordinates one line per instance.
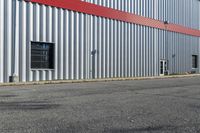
(27, 105)
(144, 129)
(191, 127)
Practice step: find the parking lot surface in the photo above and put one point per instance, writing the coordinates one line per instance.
(143, 106)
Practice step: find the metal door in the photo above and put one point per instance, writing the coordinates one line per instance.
(163, 67)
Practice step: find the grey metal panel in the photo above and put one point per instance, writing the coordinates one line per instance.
(184, 12)
(122, 49)
(5, 39)
(180, 51)
(1, 40)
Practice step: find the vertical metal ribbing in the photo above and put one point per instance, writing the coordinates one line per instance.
(111, 49)
(14, 14)
(77, 53)
(122, 45)
(156, 50)
(152, 56)
(146, 65)
(28, 41)
(90, 45)
(111, 67)
(139, 52)
(129, 51)
(103, 48)
(132, 57)
(142, 50)
(118, 48)
(147, 52)
(82, 46)
(49, 36)
(94, 49)
(23, 42)
(65, 29)
(97, 49)
(66, 45)
(75, 45)
(169, 56)
(156, 54)
(136, 51)
(68, 48)
(115, 47)
(100, 47)
(44, 33)
(60, 44)
(178, 51)
(7, 39)
(88, 52)
(20, 37)
(107, 48)
(1, 40)
(173, 53)
(125, 43)
(36, 29)
(55, 40)
(152, 50)
(111, 43)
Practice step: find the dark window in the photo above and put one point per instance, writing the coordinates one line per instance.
(42, 55)
(194, 61)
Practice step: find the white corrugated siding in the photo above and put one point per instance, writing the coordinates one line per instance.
(183, 12)
(122, 49)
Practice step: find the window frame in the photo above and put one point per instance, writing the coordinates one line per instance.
(30, 62)
(196, 65)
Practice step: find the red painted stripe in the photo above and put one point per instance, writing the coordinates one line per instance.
(92, 9)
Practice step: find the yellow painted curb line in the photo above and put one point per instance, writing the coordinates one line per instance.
(95, 80)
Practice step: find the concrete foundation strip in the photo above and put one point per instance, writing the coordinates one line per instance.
(96, 80)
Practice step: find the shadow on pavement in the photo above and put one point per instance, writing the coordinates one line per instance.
(27, 105)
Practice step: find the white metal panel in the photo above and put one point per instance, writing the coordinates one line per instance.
(184, 12)
(2, 40)
(122, 49)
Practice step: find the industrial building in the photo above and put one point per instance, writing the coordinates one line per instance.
(93, 39)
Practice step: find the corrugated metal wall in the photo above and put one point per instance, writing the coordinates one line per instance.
(5, 39)
(183, 12)
(34, 22)
(179, 51)
(122, 49)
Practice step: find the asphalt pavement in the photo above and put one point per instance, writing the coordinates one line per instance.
(142, 106)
